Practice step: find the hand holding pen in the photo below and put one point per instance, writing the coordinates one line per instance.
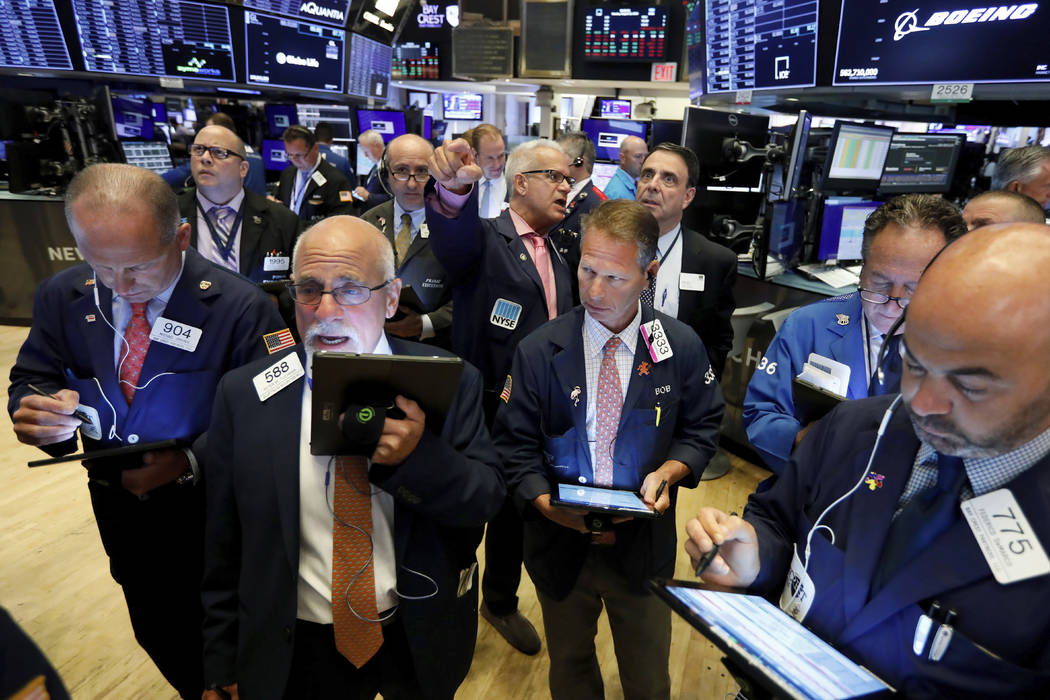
(723, 548)
(43, 418)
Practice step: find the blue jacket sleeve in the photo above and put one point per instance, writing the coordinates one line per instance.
(458, 243)
(518, 430)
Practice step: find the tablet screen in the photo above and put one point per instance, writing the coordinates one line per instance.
(803, 664)
(602, 499)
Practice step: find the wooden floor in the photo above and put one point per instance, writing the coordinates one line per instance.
(55, 582)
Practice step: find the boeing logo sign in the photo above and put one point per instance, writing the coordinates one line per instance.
(908, 22)
(283, 58)
(313, 9)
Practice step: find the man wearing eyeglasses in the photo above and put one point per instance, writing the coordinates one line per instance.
(230, 225)
(900, 239)
(583, 197)
(508, 280)
(425, 308)
(340, 577)
(311, 186)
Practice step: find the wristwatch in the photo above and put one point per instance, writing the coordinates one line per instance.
(192, 475)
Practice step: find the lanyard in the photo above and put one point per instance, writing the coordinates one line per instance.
(302, 190)
(670, 247)
(224, 249)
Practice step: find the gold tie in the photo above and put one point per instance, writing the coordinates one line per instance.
(404, 237)
(353, 572)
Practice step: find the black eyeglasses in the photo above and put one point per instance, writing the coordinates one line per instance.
(554, 176)
(880, 298)
(217, 152)
(404, 174)
(311, 293)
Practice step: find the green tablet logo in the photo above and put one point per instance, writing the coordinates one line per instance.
(366, 414)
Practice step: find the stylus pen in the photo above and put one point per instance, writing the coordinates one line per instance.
(705, 560)
(660, 490)
(76, 414)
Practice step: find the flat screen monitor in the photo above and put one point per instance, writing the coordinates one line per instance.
(132, 118)
(842, 227)
(416, 61)
(796, 154)
(625, 33)
(381, 19)
(273, 154)
(333, 12)
(370, 65)
(170, 38)
(428, 126)
(463, 105)
(856, 154)
(336, 116)
(615, 109)
(757, 44)
(279, 118)
(160, 113)
(152, 155)
(389, 123)
(602, 173)
(281, 52)
(607, 134)
(665, 131)
(900, 42)
(438, 129)
(920, 163)
(786, 230)
(31, 37)
(705, 130)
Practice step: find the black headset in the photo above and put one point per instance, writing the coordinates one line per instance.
(383, 172)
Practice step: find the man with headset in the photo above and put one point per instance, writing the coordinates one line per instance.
(900, 239)
(911, 531)
(583, 197)
(128, 348)
(425, 308)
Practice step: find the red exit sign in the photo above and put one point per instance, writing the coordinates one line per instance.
(664, 73)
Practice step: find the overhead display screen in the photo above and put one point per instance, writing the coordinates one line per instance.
(31, 37)
(464, 105)
(898, 42)
(287, 53)
(177, 39)
(625, 33)
(416, 61)
(370, 66)
(327, 11)
(757, 44)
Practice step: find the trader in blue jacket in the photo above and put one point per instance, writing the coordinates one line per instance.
(900, 239)
(938, 600)
(138, 337)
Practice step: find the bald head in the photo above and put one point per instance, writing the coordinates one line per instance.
(632, 154)
(337, 232)
(977, 375)
(407, 157)
(1001, 207)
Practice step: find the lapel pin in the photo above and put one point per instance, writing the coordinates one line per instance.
(874, 481)
(90, 318)
(643, 369)
(843, 319)
(575, 396)
(523, 257)
(257, 220)
(89, 282)
(205, 285)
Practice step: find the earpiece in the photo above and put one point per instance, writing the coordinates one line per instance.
(383, 172)
(577, 162)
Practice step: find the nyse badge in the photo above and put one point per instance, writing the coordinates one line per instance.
(205, 285)
(843, 319)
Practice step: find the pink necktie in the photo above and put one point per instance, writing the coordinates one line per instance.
(610, 403)
(137, 337)
(542, 259)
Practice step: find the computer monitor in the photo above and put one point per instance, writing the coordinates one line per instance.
(842, 227)
(786, 229)
(390, 123)
(665, 131)
(416, 61)
(428, 126)
(32, 37)
(607, 134)
(339, 117)
(133, 118)
(333, 12)
(279, 118)
(463, 105)
(370, 65)
(381, 19)
(160, 113)
(856, 155)
(282, 52)
(615, 109)
(796, 154)
(920, 163)
(152, 155)
(625, 33)
(705, 130)
(273, 154)
(602, 173)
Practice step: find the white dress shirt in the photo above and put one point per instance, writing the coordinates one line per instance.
(206, 245)
(315, 527)
(496, 197)
(668, 276)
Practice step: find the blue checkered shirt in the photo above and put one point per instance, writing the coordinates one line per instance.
(595, 336)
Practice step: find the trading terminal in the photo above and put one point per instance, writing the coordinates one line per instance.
(806, 117)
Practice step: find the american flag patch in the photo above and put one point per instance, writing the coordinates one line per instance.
(505, 395)
(278, 341)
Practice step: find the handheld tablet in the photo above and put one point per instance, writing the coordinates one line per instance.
(595, 498)
(116, 455)
(811, 402)
(770, 646)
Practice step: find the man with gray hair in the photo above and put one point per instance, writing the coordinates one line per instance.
(507, 280)
(1001, 207)
(373, 192)
(1025, 170)
(128, 349)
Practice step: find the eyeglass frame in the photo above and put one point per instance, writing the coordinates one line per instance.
(410, 175)
(550, 178)
(887, 300)
(292, 293)
(211, 150)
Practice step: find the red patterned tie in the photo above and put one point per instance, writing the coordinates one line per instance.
(353, 572)
(610, 403)
(137, 337)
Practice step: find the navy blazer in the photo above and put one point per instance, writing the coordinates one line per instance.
(332, 198)
(709, 312)
(672, 410)
(1001, 645)
(267, 229)
(377, 193)
(488, 263)
(567, 235)
(443, 494)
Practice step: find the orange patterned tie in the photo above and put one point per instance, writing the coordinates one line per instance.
(353, 573)
(137, 337)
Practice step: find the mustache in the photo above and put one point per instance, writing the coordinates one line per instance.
(330, 328)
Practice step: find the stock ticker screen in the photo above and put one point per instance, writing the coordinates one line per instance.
(179, 39)
(30, 36)
(288, 53)
(327, 11)
(416, 61)
(755, 44)
(625, 33)
(900, 42)
(370, 65)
